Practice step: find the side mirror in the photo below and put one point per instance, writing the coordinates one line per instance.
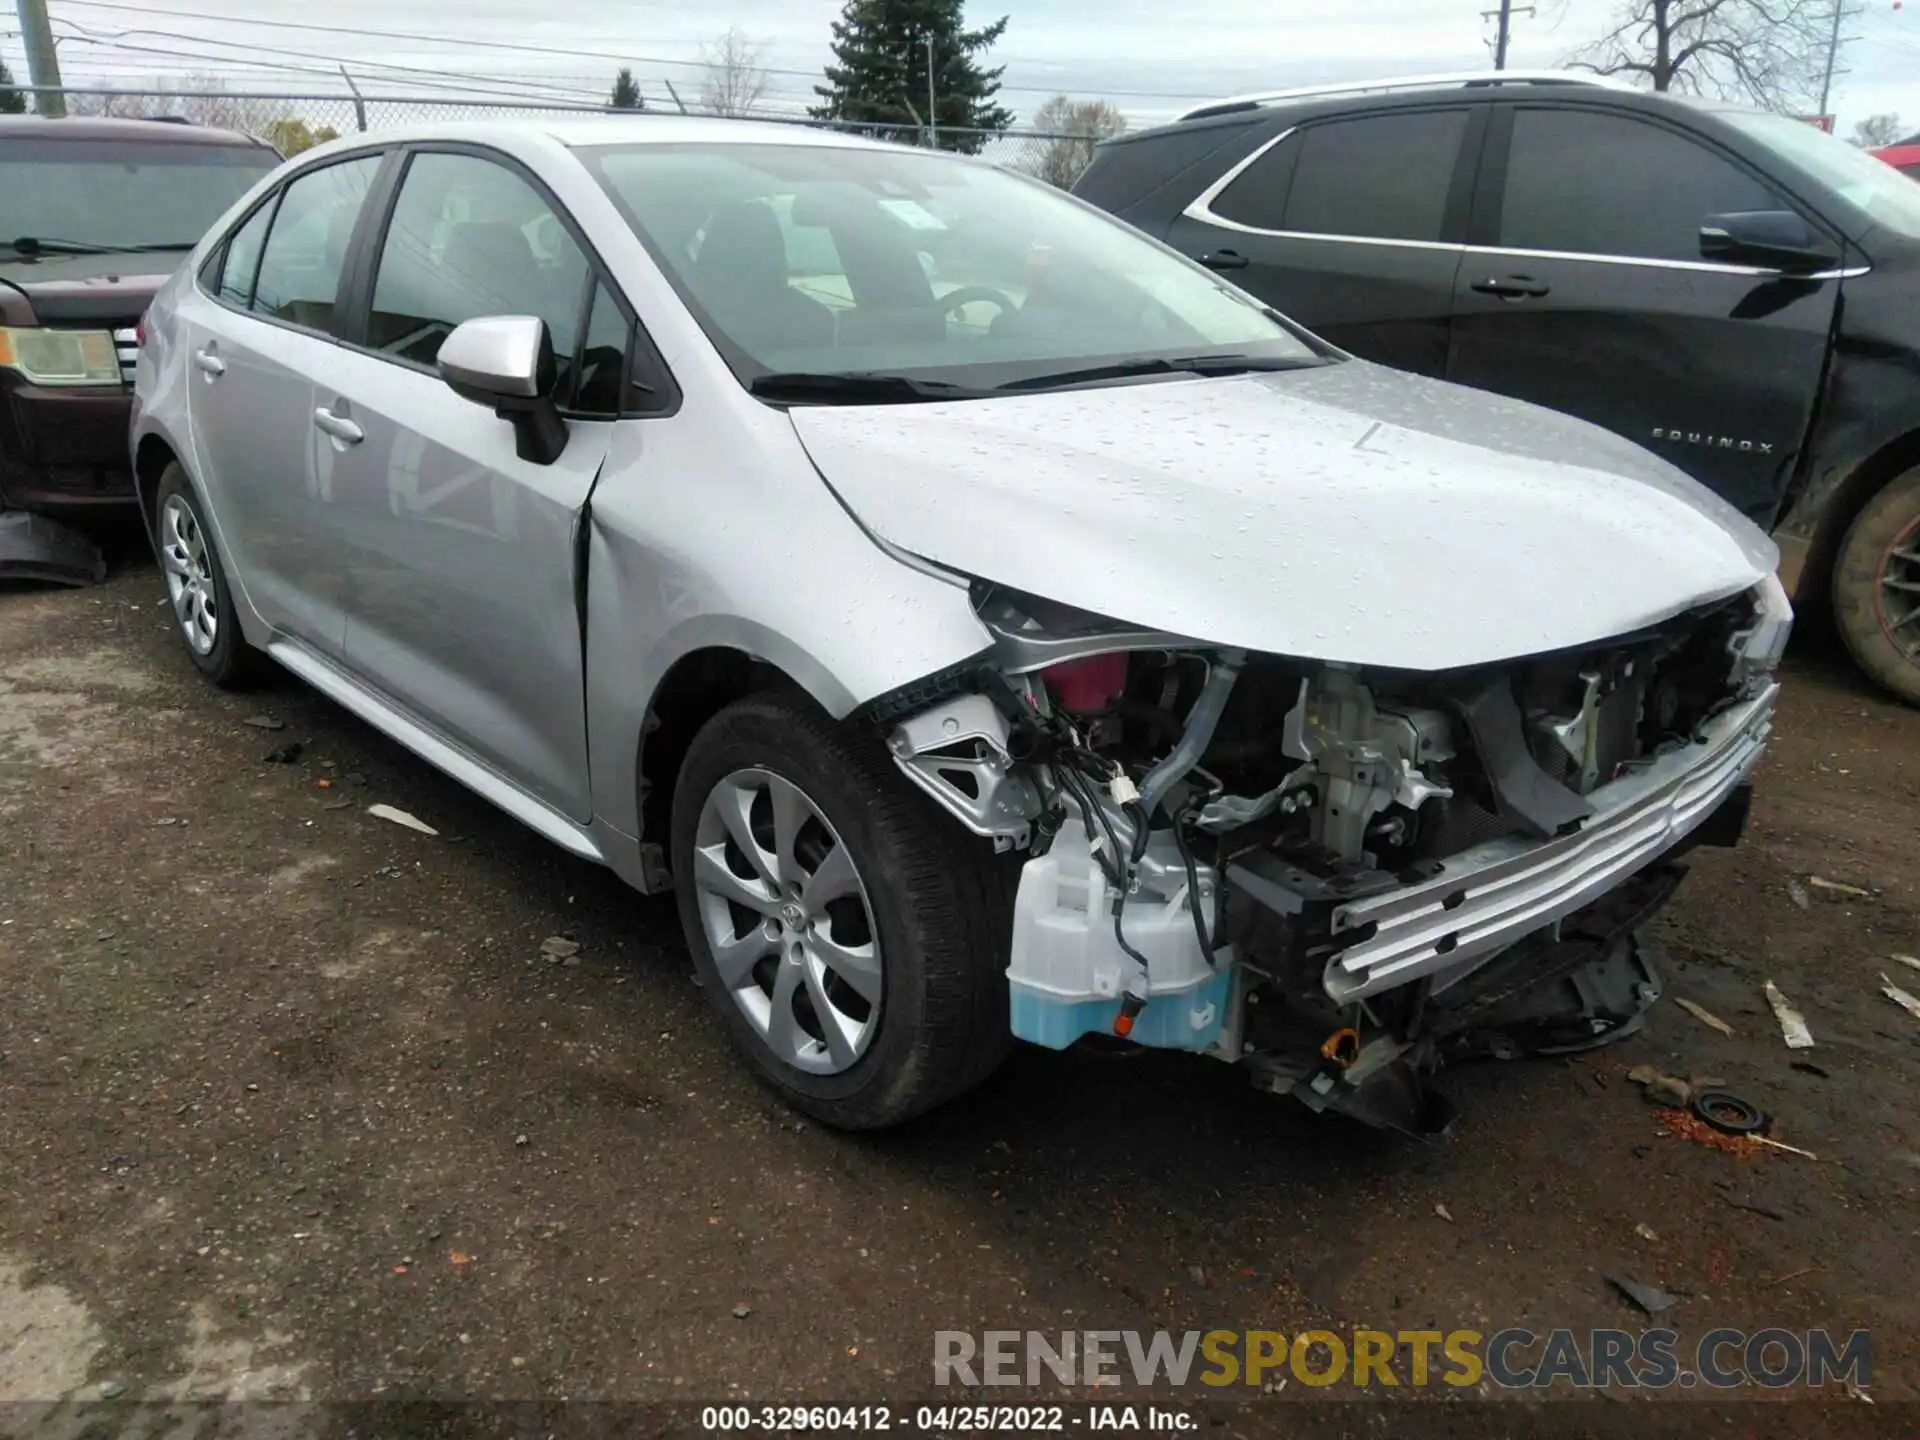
(1771, 239)
(505, 362)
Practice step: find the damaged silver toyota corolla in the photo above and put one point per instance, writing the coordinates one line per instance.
(989, 623)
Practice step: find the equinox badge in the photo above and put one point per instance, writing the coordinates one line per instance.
(1717, 442)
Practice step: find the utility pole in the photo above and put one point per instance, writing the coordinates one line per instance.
(1832, 54)
(933, 118)
(1505, 13)
(43, 66)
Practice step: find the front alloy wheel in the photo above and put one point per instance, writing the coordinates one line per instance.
(849, 934)
(1876, 587)
(787, 921)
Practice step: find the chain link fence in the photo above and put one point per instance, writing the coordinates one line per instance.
(292, 123)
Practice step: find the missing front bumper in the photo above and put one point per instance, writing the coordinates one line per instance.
(1492, 895)
(35, 547)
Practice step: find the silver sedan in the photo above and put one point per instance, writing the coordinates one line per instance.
(989, 623)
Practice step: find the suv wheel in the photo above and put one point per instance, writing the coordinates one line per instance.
(852, 938)
(203, 611)
(1876, 587)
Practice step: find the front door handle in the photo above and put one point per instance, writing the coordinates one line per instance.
(209, 362)
(1224, 260)
(338, 426)
(1511, 287)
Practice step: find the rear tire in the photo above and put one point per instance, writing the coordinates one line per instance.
(1876, 587)
(920, 930)
(203, 614)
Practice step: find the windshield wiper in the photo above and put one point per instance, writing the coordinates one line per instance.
(1163, 365)
(44, 245)
(858, 388)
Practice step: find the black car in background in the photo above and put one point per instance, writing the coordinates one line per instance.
(94, 215)
(1735, 290)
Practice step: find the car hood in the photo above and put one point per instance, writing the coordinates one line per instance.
(67, 288)
(1346, 512)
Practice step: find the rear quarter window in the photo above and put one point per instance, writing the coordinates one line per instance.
(1127, 172)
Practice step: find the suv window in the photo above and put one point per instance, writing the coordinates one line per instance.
(1588, 182)
(307, 247)
(470, 238)
(1382, 177)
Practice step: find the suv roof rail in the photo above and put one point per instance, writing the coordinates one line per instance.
(1453, 79)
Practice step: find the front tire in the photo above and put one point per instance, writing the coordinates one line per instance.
(1876, 587)
(851, 936)
(203, 612)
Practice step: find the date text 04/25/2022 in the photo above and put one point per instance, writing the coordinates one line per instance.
(945, 1419)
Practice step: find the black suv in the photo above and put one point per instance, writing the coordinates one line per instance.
(1734, 290)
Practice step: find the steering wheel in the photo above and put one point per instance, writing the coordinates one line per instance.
(967, 294)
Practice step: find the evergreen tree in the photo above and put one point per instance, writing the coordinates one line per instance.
(12, 101)
(879, 74)
(626, 92)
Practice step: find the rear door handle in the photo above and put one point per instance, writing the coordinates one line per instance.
(1511, 287)
(338, 426)
(1224, 260)
(209, 362)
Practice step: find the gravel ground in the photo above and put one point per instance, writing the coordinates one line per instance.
(295, 1107)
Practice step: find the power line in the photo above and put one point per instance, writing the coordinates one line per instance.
(610, 49)
(117, 40)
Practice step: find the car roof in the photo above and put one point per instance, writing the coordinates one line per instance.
(645, 129)
(96, 128)
(1413, 92)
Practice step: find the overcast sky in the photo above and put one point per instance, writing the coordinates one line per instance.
(1151, 57)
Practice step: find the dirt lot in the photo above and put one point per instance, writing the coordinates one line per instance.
(293, 1105)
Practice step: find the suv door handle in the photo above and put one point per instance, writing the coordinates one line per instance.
(209, 362)
(1224, 260)
(1512, 287)
(338, 426)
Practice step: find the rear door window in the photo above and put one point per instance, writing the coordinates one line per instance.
(306, 249)
(1382, 177)
(1587, 182)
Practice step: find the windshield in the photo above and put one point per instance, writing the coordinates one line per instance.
(118, 194)
(1870, 185)
(817, 260)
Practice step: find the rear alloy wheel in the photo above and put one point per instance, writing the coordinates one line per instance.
(1876, 587)
(197, 586)
(850, 935)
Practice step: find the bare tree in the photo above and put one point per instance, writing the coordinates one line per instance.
(1068, 131)
(735, 81)
(198, 99)
(1766, 52)
(1876, 130)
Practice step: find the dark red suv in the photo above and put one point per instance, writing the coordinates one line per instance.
(94, 215)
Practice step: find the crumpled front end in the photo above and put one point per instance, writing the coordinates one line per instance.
(1340, 877)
